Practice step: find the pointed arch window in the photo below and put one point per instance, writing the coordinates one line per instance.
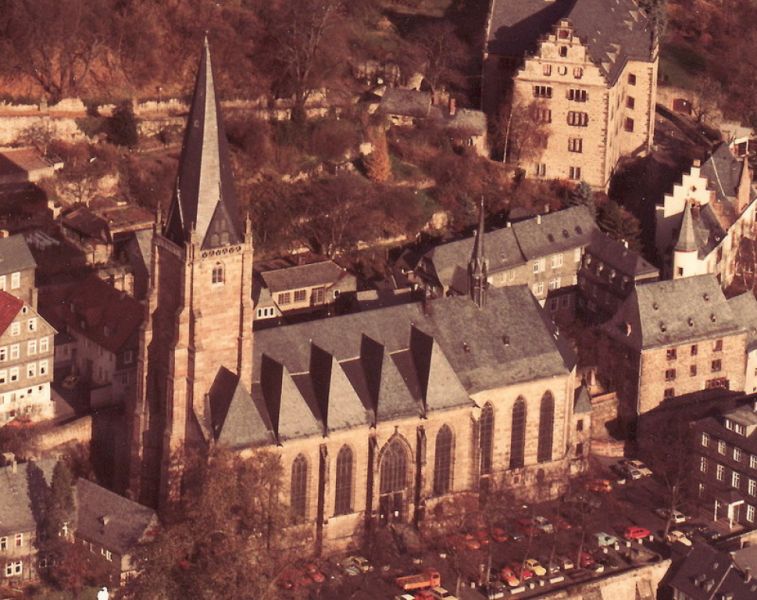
(219, 275)
(518, 434)
(443, 461)
(546, 427)
(343, 500)
(299, 492)
(393, 468)
(486, 438)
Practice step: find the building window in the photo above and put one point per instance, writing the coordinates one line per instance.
(668, 393)
(31, 347)
(2, 282)
(442, 461)
(694, 349)
(14, 568)
(14, 374)
(14, 351)
(547, 70)
(750, 513)
(44, 344)
(300, 295)
(578, 95)
(702, 464)
(108, 556)
(578, 72)
(578, 119)
(3, 543)
(557, 261)
(628, 124)
(541, 115)
(3, 354)
(284, 298)
(718, 347)
(217, 277)
(630, 102)
(486, 438)
(735, 480)
(752, 461)
(705, 439)
(32, 324)
(43, 367)
(536, 267)
(518, 434)
(128, 357)
(720, 472)
(15, 281)
(546, 427)
(752, 487)
(318, 296)
(538, 288)
(574, 173)
(541, 169)
(580, 425)
(542, 91)
(299, 491)
(721, 447)
(563, 51)
(393, 468)
(343, 492)
(737, 454)
(631, 79)
(693, 370)
(717, 365)
(15, 328)
(575, 145)
(31, 370)
(3, 376)
(670, 374)
(19, 540)
(580, 449)
(671, 354)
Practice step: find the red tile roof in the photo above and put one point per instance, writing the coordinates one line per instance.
(9, 307)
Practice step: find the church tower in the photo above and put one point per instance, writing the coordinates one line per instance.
(199, 313)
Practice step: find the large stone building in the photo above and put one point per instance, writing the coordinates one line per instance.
(700, 225)
(376, 416)
(672, 338)
(585, 70)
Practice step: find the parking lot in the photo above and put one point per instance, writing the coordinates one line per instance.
(587, 529)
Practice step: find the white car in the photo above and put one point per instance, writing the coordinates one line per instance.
(676, 517)
(640, 467)
(442, 594)
(678, 536)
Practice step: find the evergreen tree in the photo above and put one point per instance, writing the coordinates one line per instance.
(60, 504)
(582, 195)
(619, 224)
(122, 126)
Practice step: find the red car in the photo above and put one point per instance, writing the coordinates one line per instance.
(521, 572)
(314, 573)
(499, 534)
(508, 576)
(586, 561)
(634, 532)
(527, 526)
(424, 595)
(482, 536)
(561, 523)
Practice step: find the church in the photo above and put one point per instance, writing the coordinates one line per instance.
(377, 416)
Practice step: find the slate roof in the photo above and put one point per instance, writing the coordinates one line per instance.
(87, 223)
(723, 172)
(303, 276)
(204, 200)
(582, 401)
(616, 255)
(15, 255)
(16, 502)
(110, 520)
(9, 307)
(675, 311)
(103, 314)
(408, 103)
(16, 161)
(614, 30)
(687, 237)
(706, 573)
(466, 120)
(325, 375)
(744, 307)
(555, 232)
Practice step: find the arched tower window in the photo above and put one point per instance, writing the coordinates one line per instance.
(443, 461)
(218, 273)
(546, 427)
(343, 500)
(486, 438)
(518, 434)
(299, 495)
(393, 468)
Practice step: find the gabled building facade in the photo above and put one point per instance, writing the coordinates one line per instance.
(585, 71)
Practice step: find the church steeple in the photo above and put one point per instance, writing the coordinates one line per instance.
(204, 202)
(479, 265)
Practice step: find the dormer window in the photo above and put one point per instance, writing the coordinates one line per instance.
(218, 274)
(563, 51)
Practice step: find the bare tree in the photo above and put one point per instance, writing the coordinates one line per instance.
(521, 130)
(706, 99)
(441, 54)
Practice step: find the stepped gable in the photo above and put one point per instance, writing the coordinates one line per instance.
(204, 199)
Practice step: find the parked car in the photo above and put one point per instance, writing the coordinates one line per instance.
(581, 501)
(640, 467)
(586, 560)
(508, 576)
(499, 534)
(482, 536)
(675, 516)
(312, 571)
(522, 572)
(527, 526)
(677, 536)
(605, 539)
(634, 532)
(543, 524)
(440, 593)
(360, 563)
(561, 523)
(463, 541)
(535, 567)
(566, 564)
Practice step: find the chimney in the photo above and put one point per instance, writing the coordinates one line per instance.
(508, 225)
(625, 244)
(697, 163)
(538, 219)
(452, 107)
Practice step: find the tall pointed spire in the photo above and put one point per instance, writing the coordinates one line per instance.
(479, 265)
(204, 199)
(687, 238)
